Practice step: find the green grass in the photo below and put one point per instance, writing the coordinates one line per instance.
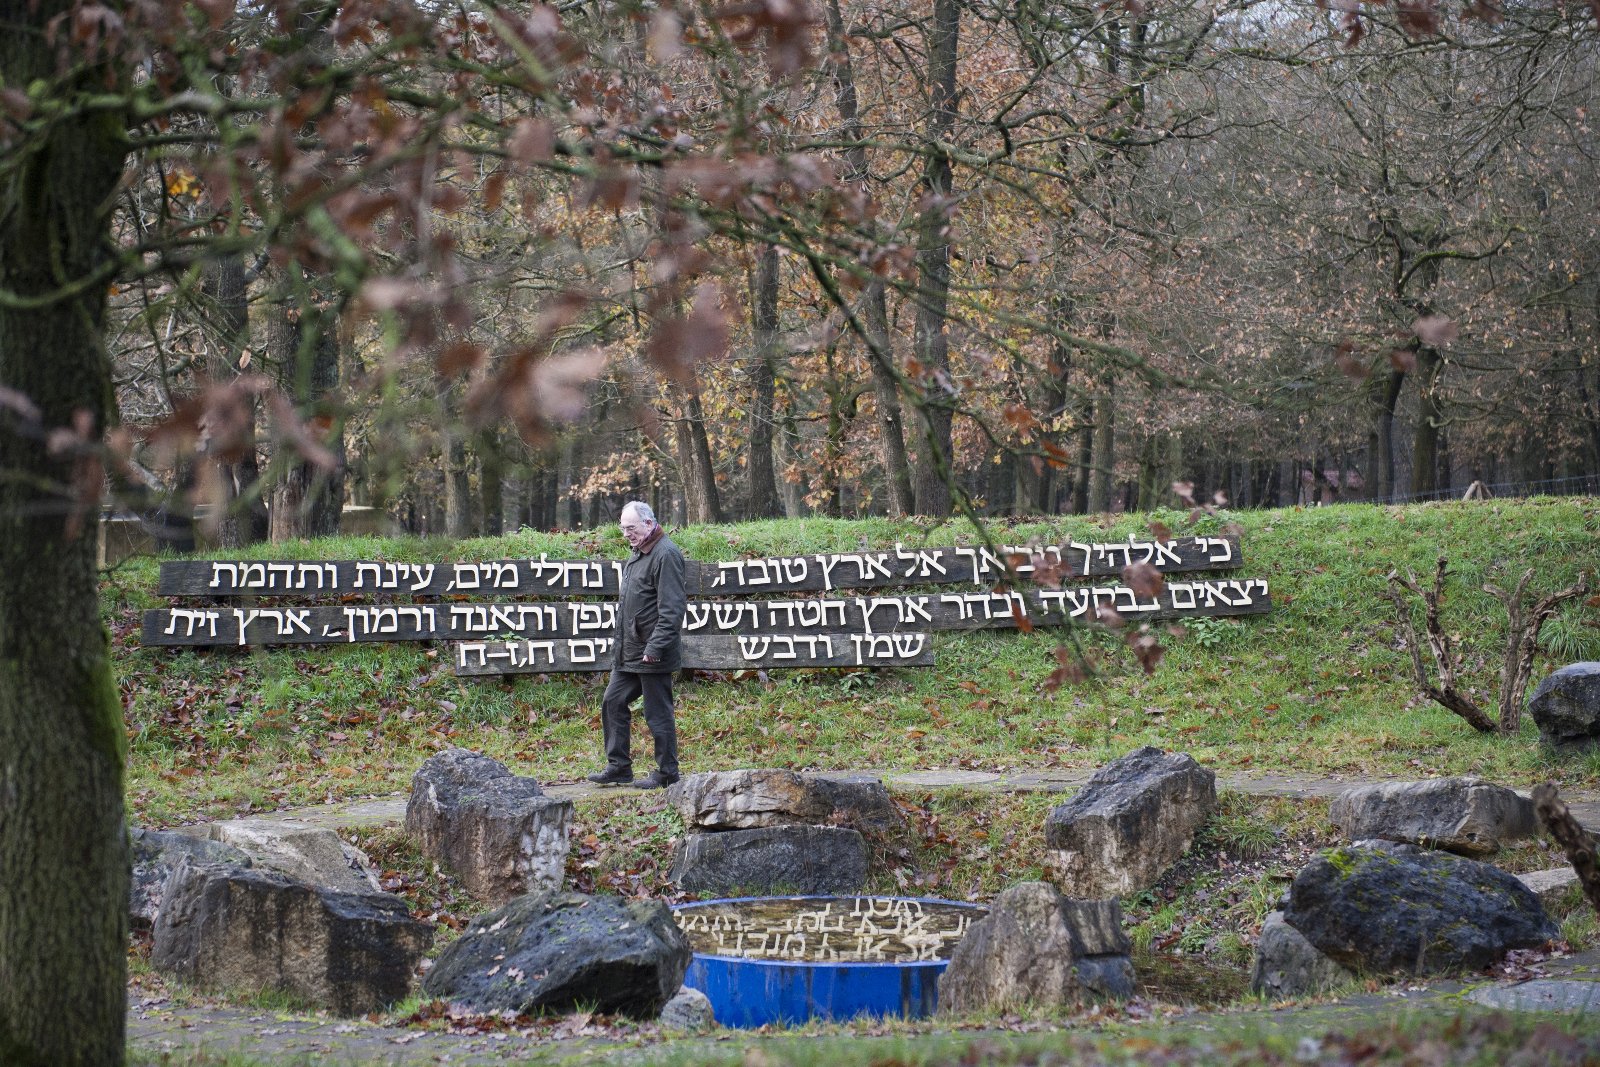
(1319, 687)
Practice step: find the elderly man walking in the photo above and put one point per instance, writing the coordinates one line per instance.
(649, 614)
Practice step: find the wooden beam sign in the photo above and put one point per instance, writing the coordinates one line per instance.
(706, 652)
(589, 619)
(522, 616)
(818, 572)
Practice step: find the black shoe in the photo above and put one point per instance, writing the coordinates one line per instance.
(612, 776)
(655, 780)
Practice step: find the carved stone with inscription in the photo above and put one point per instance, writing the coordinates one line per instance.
(498, 832)
(560, 951)
(228, 928)
(1463, 815)
(771, 860)
(1038, 948)
(312, 854)
(1129, 823)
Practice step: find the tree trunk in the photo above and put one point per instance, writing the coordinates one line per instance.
(1052, 402)
(931, 343)
(491, 482)
(694, 458)
(1080, 487)
(63, 839)
(1430, 418)
(794, 492)
(243, 513)
(1105, 447)
(874, 302)
(305, 344)
(763, 479)
(1389, 399)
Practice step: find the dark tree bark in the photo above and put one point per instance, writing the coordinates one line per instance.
(243, 518)
(930, 341)
(63, 840)
(453, 460)
(1576, 842)
(1430, 421)
(700, 496)
(491, 483)
(763, 371)
(1105, 447)
(874, 300)
(794, 492)
(1385, 398)
(304, 342)
(1080, 485)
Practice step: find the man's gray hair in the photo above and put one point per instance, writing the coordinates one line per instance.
(641, 509)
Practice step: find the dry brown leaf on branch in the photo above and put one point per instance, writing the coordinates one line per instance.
(1435, 330)
(681, 342)
(1349, 364)
(299, 435)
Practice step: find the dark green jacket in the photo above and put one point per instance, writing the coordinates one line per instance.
(650, 610)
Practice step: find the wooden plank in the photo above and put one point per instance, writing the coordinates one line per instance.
(818, 572)
(581, 619)
(706, 652)
(508, 577)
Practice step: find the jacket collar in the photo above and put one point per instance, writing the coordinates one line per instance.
(650, 542)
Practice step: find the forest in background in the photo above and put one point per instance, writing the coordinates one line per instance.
(1050, 257)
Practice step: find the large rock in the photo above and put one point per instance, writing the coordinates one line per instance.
(499, 833)
(860, 802)
(156, 853)
(748, 800)
(1130, 823)
(557, 951)
(1566, 706)
(1464, 815)
(763, 797)
(229, 928)
(1386, 906)
(1287, 965)
(1036, 947)
(305, 853)
(690, 1010)
(1100, 947)
(774, 859)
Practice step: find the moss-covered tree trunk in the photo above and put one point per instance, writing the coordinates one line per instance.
(63, 842)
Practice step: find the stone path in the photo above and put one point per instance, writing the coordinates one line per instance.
(391, 810)
(158, 1024)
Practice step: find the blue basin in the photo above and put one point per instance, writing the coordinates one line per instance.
(749, 992)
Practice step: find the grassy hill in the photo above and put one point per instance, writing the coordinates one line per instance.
(1320, 687)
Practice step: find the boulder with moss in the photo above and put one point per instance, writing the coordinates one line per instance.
(1384, 906)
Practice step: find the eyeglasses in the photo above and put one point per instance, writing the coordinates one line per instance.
(631, 527)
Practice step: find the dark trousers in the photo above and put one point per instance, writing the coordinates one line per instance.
(617, 720)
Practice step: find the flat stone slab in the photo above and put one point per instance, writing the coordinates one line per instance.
(1550, 886)
(1569, 996)
(936, 779)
